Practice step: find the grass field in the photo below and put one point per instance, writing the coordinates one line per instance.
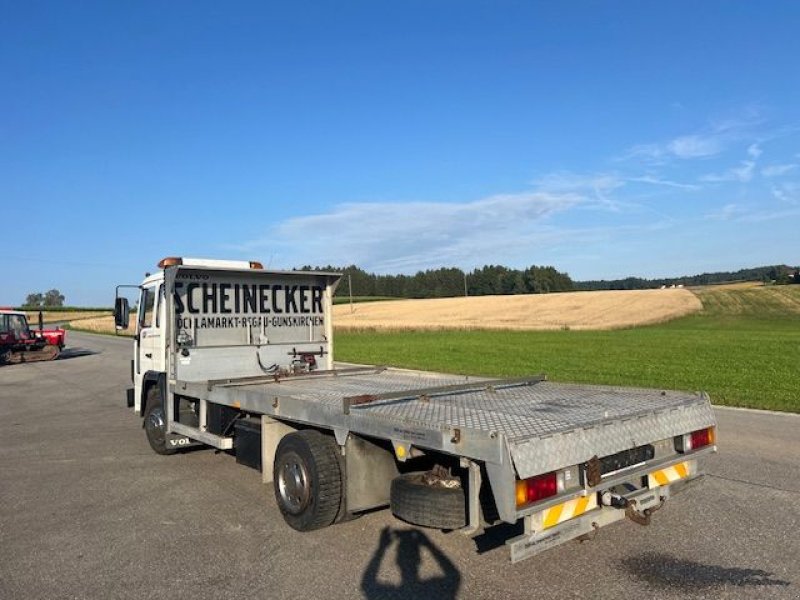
(743, 349)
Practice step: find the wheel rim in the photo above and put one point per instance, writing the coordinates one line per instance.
(294, 484)
(155, 427)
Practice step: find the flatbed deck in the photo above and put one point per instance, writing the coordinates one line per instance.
(542, 424)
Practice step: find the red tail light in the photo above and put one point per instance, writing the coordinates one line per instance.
(695, 440)
(536, 488)
(701, 437)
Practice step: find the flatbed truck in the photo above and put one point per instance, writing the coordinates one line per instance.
(233, 356)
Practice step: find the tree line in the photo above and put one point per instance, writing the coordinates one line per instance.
(51, 298)
(777, 274)
(449, 282)
(499, 280)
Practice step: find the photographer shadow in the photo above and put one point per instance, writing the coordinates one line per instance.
(408, 559)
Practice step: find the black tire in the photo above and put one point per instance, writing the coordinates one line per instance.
(155, 423)
(412, 500)
(307, 478)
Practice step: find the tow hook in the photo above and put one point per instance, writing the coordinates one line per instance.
(642, 518)
(631, 512)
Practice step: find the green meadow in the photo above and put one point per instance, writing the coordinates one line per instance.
(743, 348)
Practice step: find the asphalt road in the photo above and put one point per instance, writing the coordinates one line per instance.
(87, 510)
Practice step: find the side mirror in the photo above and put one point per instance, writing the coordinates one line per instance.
(122, 313)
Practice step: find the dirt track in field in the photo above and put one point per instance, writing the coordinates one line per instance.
(573, 310)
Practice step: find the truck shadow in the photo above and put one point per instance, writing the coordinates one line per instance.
(496, 536)
(408, 560)
(68, 353)
(666, 571)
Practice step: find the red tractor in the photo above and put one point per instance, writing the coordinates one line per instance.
(20, 344)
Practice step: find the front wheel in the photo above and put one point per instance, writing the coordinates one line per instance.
(308, 479)
(155, 424)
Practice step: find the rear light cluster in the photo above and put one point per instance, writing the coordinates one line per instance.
(695, 440)
(536, 488)
(545, 486)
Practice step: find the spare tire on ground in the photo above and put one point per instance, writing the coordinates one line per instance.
(414, 499)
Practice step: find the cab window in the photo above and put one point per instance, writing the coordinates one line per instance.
(160, 307)
(146, 307)
(18, 326)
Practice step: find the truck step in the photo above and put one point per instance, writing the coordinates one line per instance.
(217, 441)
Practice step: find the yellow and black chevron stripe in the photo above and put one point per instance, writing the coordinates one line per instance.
(669, 475)
(568, 510)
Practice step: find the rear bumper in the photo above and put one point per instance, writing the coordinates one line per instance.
(585, 515)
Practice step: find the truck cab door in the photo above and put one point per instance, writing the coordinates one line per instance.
(149, 355)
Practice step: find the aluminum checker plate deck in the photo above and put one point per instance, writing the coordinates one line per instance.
(544, 426)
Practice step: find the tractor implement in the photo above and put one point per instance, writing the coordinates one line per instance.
(20, 344)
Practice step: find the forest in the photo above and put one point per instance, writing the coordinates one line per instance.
(499, 280)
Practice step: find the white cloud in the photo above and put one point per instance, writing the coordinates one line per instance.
(751, 214)
(665, 182)
(705, 143)
(743, 173)
(599, 185)
(653, 153)
(695, 146)
(403, 237)
(754, 151)
(788, 193)
(566, 180)
(727, 212)
(683, 147)
(515, 229)
(777, 170)
(771, 215)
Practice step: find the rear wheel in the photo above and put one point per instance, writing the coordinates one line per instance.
(308, 479)
(155, 424)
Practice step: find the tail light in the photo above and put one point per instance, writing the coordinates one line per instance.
(536, 488)
(695, 440)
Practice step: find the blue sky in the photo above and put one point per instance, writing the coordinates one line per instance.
(606, 139)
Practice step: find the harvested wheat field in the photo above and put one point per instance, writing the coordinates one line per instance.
(572, 310)
(56, 316)
(104, 324)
